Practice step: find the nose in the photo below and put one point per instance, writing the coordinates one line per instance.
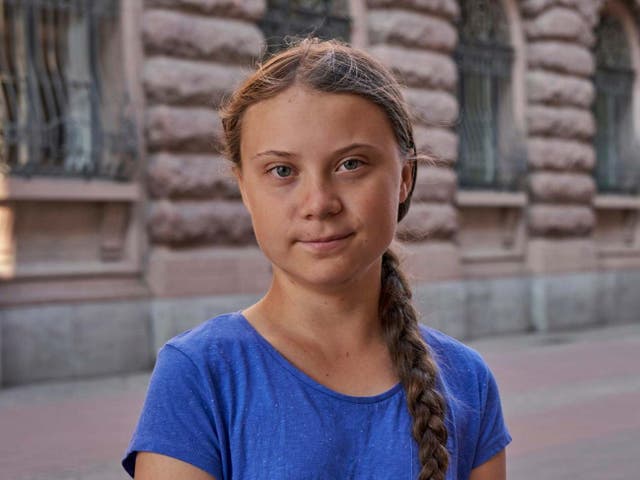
(319, 199)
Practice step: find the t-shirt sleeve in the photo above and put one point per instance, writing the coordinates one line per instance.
(494, 436)
(177, 417)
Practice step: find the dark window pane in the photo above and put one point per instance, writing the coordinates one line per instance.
(617, 164)
(53, 104)
(286, 20)
(484, 57)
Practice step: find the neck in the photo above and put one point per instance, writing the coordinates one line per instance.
(335, 318)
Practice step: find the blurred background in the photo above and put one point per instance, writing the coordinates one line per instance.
(120, 225)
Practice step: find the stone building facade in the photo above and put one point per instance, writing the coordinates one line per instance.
(97, 273)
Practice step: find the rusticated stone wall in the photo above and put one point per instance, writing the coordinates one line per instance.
(416, 38)
(561, 126)
(196, 51)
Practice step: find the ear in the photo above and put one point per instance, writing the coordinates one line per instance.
(237, 173)
(406, 180)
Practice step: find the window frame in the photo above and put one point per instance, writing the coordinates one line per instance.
(490, 56)
(57, 120)
(616, 170)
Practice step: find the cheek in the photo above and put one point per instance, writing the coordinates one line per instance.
(269, 219)
(382, 207)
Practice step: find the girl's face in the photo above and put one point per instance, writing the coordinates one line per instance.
(322, 177)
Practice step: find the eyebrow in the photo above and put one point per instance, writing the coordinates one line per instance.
(283, 154)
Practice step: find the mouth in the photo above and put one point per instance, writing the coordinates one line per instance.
(328, 243)
(330, 238)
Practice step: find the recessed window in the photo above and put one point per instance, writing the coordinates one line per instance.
(617, 164)
(59, 113)
(484, 57)
(286, 20)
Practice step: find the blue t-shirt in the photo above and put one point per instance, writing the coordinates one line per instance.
(224, 399)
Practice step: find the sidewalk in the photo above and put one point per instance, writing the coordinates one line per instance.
(572, 402)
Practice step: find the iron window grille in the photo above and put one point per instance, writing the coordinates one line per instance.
(58, 117)
(617, 166)
(287, 20)
(490, 154)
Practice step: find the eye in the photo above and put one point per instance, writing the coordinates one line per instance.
(281, 171)
(350, 164)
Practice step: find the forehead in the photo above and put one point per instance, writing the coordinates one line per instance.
(300, 118)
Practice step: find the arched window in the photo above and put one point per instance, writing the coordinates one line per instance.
(485, 56)
(59, 116)
(615, 143)
(285, 19)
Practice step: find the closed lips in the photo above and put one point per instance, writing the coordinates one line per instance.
(331, 238)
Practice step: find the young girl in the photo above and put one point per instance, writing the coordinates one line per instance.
(329, 375)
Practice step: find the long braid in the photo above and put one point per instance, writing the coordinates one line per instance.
(416, 369)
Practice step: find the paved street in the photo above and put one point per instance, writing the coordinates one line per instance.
(572, 402)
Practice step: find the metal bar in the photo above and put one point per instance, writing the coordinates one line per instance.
(95, 91)
(57, 82)
(35, 116)
(45, 88)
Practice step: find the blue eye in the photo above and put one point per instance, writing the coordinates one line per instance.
(351, 164)
(281, 171)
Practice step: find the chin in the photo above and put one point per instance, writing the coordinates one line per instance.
(330, 277)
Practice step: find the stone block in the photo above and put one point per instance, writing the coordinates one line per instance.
(420, 69)
(183, 129)
(561, 255)
(561, 57)
(439, 143)
(435, 184)
(607, 297)
(428, 221)
(626, 307)
(445, 8)
(432, 108)
(563, 122)
(214, 222)
(560, 23)
(36, 344)
(206, 270)
(245, 9)
(187, 82)
(497, 306)
(561, 220)
(564, 302)
(433, 260)
(562, 187)
(560, 154)
(411, 29)
(177, 34)
(588, 9)
(111, 338)
(171, 316)
(442, 305)
(190, 176)
(75, 340)
(557, 89)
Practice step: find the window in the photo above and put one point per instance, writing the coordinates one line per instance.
(286, 19)
(485, 57)
(617, 165)
(59, 113)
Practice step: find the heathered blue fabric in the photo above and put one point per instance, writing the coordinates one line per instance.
(223, 399)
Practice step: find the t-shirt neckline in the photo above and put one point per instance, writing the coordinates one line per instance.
(290, 367)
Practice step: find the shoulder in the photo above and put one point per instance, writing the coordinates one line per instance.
(449, 350)
(461, 367)
(214, 348)
(218, 333)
